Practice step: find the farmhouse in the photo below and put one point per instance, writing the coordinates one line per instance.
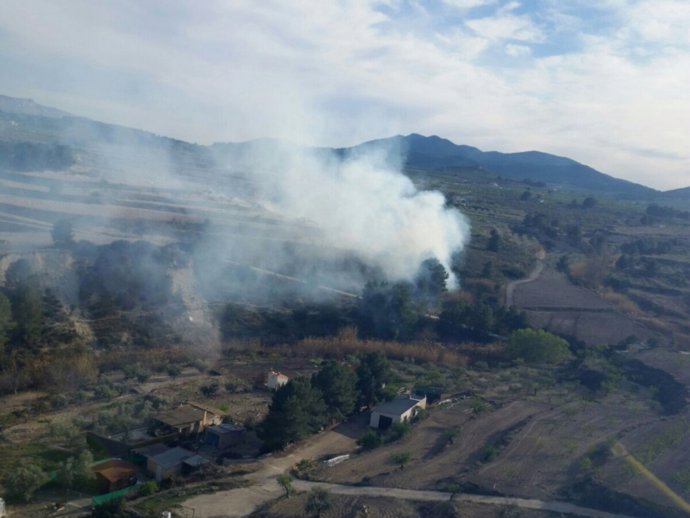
(188, 419)
(399, 410)
(169, 463)
(275, 379)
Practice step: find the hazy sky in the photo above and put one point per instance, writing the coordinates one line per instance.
(606, 82)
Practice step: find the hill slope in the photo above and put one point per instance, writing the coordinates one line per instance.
(437, 152)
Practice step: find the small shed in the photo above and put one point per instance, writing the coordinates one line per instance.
(224, 435)
(275, 380)
(193, 463)
(399, 410)
(168, 464)
(115, 474)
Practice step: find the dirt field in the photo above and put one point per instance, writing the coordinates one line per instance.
(552, 302)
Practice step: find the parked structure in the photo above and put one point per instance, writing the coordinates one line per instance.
(399, 410)
(275, 380)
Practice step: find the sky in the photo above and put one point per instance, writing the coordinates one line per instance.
(605, 82)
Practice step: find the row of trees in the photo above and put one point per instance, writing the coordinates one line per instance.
(305, 405)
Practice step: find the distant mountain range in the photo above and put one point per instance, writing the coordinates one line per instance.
(436, 152)
(25, 123)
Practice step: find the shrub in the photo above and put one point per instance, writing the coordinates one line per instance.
(370, 440)
(148, 488)
(397, 431)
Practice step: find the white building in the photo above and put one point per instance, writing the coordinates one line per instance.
(402, 409)
(276, 379)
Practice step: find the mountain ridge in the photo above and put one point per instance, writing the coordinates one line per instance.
(412, 150)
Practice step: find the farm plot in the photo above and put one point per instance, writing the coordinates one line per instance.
(553, 303)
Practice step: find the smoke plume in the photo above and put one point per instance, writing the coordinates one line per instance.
(359, 203)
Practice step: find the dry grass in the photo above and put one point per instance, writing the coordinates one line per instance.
(347, 342)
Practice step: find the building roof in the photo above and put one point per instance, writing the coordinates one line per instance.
(172, 457)
(182, 415)
(225, 428)
(114, 470)
(208, 408)
(151, 450)
(397, 406)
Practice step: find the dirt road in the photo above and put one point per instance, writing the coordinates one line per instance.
(533, 276)
(243, 501)
(437, 496)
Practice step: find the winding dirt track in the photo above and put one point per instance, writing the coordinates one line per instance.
(533, 276)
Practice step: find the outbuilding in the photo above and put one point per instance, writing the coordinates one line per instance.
(168, 464)
(401, 409)
(115, 474)
(224, 435)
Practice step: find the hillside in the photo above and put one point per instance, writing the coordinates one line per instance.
(439, 153)
(148, 271)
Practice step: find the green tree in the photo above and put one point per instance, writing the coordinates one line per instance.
(430, 282)
(285, 482)
(27, 310)
(388, 311)
(337, 384)
(372, 373)
(149, 488)
(24, 480)
(82, 466)
(319, 501)
(537, 346)
(370, 440)
(296, 411)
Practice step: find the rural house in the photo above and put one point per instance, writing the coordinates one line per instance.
(189, 418)
(276, 379)
(168, 464)
(399, 410)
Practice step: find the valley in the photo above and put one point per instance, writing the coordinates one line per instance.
(142, 275)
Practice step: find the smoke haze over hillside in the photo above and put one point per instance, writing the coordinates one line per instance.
(361, 204)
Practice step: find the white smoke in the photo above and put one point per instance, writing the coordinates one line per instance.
(361, 203)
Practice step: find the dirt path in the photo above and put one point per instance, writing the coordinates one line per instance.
(243, 501)
(438, 496)
(533, 276)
